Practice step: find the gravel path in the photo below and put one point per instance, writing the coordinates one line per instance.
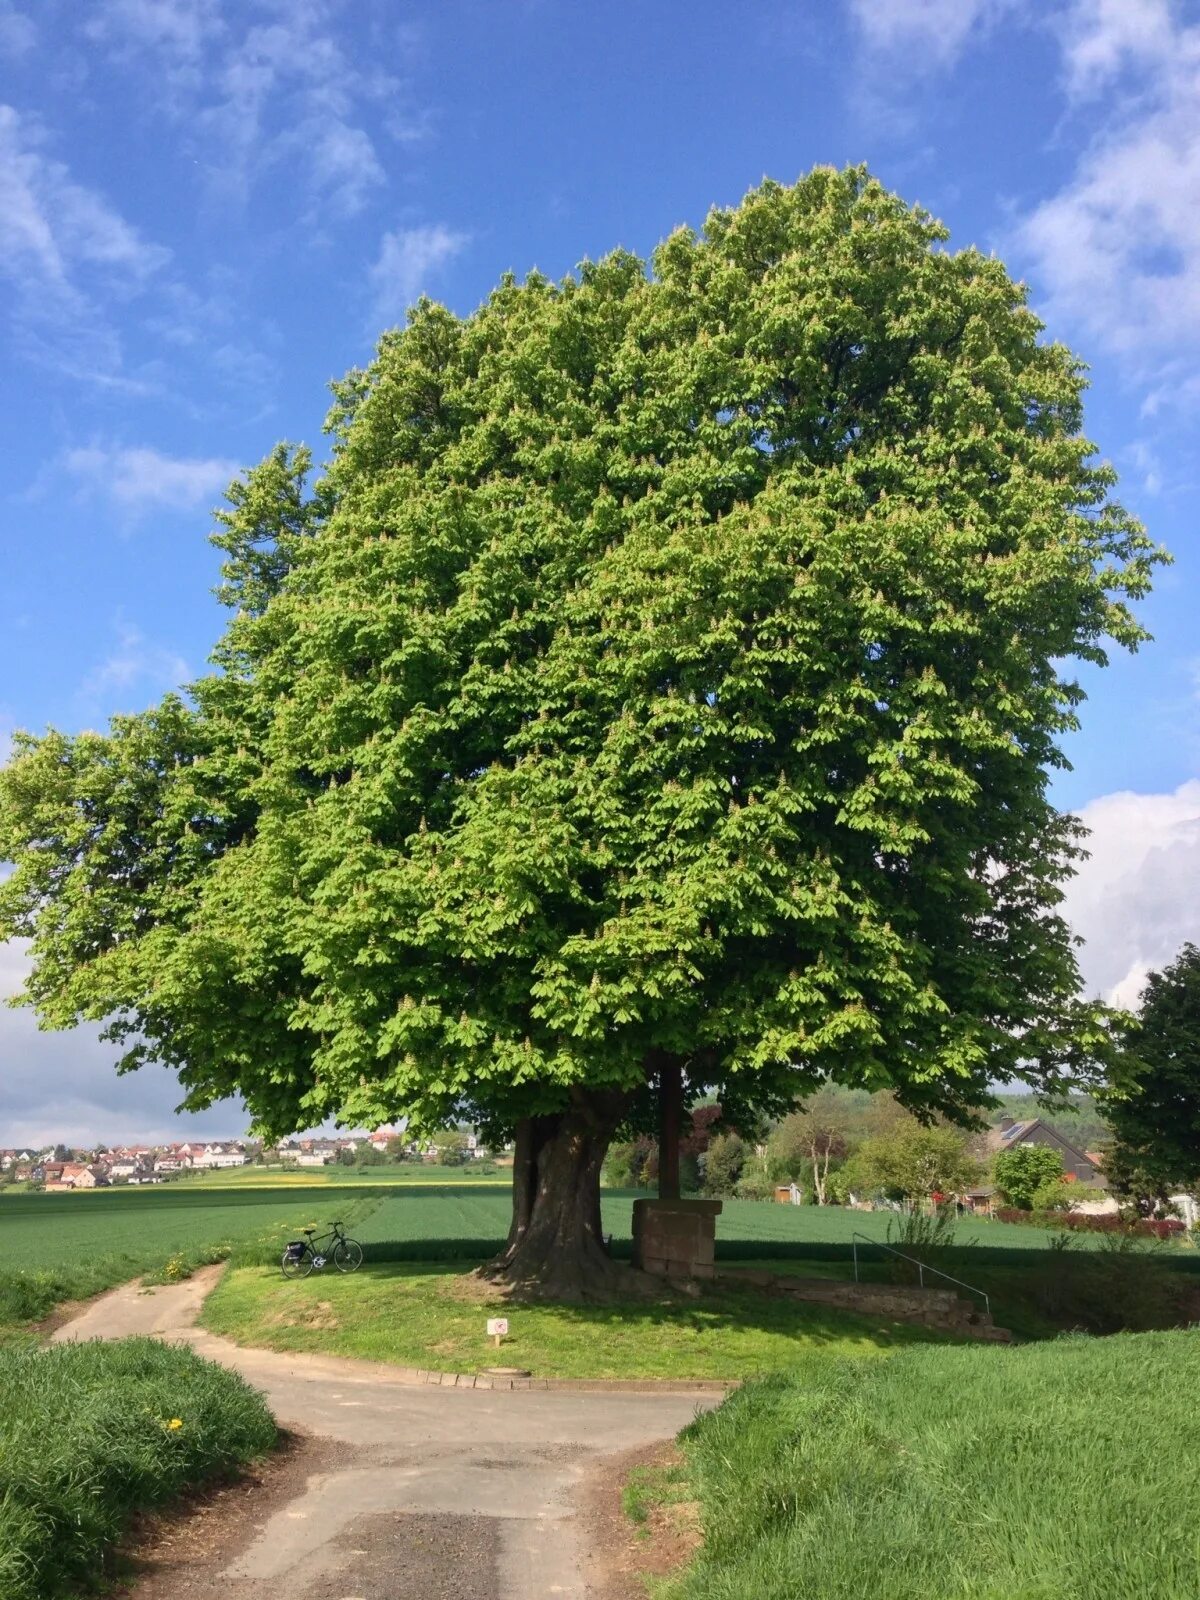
(428, 1493)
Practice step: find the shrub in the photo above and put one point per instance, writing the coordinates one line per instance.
(91, 1432)
(923, 1236)
(1119, 1287)
(1022, 1172)
(756, 1182)
(915, 1161)
(1059, 1195)
(723, 1164)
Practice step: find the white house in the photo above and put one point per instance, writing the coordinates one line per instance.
(219, 1155)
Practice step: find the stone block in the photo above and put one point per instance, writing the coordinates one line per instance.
(675, 1238)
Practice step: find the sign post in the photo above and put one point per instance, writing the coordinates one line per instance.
(497, 1328)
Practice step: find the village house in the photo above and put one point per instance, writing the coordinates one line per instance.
(1079, 1166)
(219, 1155)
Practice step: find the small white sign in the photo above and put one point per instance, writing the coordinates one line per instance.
(497, 1327)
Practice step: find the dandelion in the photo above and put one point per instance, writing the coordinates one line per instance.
(175, 1422)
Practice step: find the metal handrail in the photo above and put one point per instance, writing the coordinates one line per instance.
(921, 1267)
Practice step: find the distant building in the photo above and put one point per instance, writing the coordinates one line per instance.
(1011, 1135)
(219, 1155)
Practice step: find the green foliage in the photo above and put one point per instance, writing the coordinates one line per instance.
(451, 1147)
(1154, 1108)
(1020, 1173)
(1057, 1195)
(625, 1165)
(723, 1164)
(1118, 1286)
(925, 1236)
(90, 1433)
(915, 1161)
(1137, 1182)
(811, 1143)
(940, 1472)
(757, 1180)
(672, 658)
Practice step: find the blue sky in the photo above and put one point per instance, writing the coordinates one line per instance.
(208, 209)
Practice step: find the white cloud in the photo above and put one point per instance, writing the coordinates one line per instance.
(263, 87)
(177, 32)
(134, 673)
(17, 32)
(141, 479)
(1117, 250)
(1100, 37)
(63, 248)
(921, 35)
(1137, 899)
(408, 261)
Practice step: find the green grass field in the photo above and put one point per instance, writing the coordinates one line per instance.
(435, 1317)
(91, 1432)
(59, 1246)
(1050, 1472)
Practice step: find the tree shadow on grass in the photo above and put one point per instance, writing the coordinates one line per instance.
(715, 1310)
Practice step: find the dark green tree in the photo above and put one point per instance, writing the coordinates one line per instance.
(663, 676)
(723, 1163)
(1153, 1107)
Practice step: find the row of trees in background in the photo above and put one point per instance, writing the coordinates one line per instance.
(449, 1146)
(841, 1141)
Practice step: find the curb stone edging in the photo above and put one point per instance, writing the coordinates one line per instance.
(481, 1380)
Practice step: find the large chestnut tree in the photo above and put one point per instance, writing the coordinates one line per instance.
(662, 677)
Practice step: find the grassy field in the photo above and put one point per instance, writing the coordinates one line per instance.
(91, 1432)
(435, 1317)
(409, 1174)
(55, 1247)
(1049, 1472)
(60, 1246)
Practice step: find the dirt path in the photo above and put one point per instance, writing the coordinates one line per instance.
(422, 1492)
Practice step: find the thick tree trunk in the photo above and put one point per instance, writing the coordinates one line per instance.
(555, 1248)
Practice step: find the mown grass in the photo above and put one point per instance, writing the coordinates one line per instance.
(91, 1432)
(425, 1315)
(1049, 1472)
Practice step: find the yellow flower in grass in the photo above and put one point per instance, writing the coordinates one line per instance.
(175, 1422)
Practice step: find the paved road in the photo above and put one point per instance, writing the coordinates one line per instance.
(439, 1493)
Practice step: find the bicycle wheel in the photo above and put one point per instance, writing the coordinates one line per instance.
(296, 1266)
(347, 1255)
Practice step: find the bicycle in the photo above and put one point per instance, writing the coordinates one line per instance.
(302, 1255)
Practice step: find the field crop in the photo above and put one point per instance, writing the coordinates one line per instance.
(91, 1432)
(1052, 1471)
(67, 1246)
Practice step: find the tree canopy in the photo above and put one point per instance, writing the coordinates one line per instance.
(1023, 1170)
(915, 1162)
(667, 666)
(1154, 1111)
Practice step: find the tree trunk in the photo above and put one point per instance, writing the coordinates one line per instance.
(555, 1248)
(670, 1117)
